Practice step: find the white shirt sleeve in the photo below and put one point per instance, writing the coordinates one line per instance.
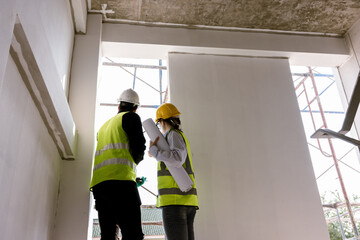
(176, 157)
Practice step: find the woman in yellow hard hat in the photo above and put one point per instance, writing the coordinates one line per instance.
(178, 208)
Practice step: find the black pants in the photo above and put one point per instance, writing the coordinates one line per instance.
(179, 222)
(118, 203)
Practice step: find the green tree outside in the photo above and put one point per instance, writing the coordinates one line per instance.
(334, 227)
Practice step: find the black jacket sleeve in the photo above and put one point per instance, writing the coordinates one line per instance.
(131, 124)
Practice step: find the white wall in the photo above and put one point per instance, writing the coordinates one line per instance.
(252, 167)
(50, 32)
(29, 165)
(74, 205)
(7, 21)
(49, 28)
(29, 160)
(349, 70)
(156, 41)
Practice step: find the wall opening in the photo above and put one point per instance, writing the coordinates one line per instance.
(148, 77)
(320, 106)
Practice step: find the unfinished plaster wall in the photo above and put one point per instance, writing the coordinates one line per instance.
(331, 16)
(29, 164)
(252, 167)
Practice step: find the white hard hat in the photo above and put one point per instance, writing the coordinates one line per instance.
(129, 96)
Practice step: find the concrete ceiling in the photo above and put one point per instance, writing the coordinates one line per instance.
(319, 16)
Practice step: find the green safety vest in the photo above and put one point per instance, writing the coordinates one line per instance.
(169, 191)
(113, 160)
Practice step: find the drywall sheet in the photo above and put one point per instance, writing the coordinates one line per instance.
(252, 167)
(29, 164)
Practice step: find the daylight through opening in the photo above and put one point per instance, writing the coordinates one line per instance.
(335, 162)
(148, 77)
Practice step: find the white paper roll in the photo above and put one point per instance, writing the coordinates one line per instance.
(180, 176)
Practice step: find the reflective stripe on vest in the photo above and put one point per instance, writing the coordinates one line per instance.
(165, 172)
(113, 160)
(122, 161)
(177, 191)
(112, 146)
(169, 192)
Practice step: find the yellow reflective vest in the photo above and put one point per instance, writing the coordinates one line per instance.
(169, 191)
(113, 160)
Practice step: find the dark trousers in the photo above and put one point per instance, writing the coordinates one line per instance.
(179, 222)
(118, 203)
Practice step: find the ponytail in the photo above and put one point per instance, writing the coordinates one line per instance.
(174, 122)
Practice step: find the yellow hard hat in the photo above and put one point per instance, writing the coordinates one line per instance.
(166, 110)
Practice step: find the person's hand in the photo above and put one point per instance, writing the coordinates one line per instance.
(155, 142)
(140, 181)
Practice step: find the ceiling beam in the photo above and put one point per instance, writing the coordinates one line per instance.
(127, 40)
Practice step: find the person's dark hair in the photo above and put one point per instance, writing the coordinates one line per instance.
(174, 122)
(127, 107)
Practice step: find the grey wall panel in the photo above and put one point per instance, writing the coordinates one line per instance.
(253, 170)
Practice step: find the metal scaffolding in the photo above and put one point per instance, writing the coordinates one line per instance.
(162, 94)
(301, 89)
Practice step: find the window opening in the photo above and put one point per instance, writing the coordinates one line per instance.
(335, 163)
(148, 77)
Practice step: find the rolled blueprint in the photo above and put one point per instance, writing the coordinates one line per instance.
(179, 174)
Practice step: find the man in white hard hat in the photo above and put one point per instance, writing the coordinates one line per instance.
(120, 147)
